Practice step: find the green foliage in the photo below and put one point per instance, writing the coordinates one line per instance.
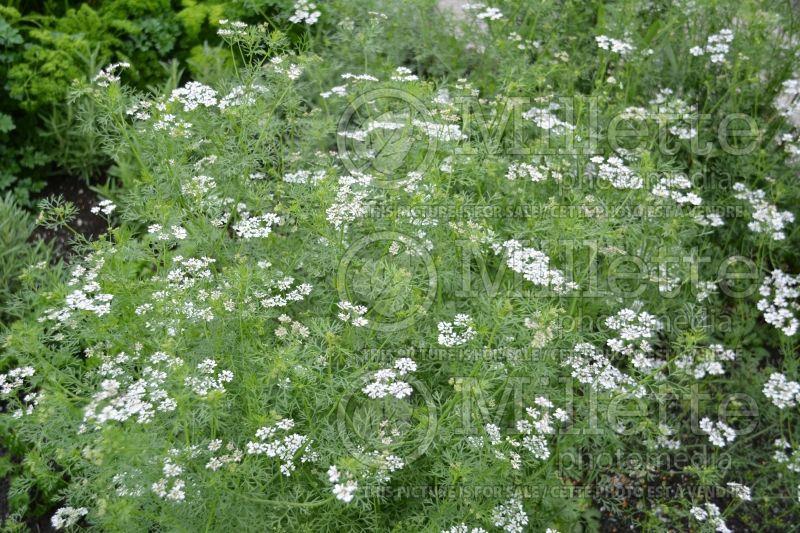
(249, 231)
(21, 255)
(45, 47)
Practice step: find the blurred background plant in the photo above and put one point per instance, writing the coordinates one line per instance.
(46, 45)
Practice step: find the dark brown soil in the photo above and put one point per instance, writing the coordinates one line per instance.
(86, 223)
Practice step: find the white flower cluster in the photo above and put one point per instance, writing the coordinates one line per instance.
(304, 176)
(547, 120)
(104, 206)
(176, 127)
(532, 433)
(296, 327)
(305, 11)
(344, 490)
(350, 198)
(175, 492)
(256, 227)
(621, 47)
(704, 289)
(338, 90)
(140, 110)
(457, 332)
(440, 132)
(209, 380)
(14, 379)
(123, 396)
(281, 293)
(614, 171)
(374, 125)
(241, 96)
(767, 218)
(675, 188)
(590, 366)
(712, 220)
(785, 455)
(382, 465)
(787, 102)
(712, 515)
(706, 361)
(176, 232)
(404, 74)
(193, 95)
(385, 383)
(234, 455)
(353, 314)
(510, 516)
(717, 46)
(719, 433)
(183, 290)
(109, 75)
(85, 298)
(534, 267)
(635, 331)
(186, 273)
(534, 173)
(779, 292)
(358, 77)
(484, 12)
(292, 71)
(463, 528)
(231, 28)
(68, 517)
(287, 448)
(781, 392)
(742, 492)
(668, 109)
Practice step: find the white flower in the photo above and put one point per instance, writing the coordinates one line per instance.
(305, 11)
(621, 47)
(779, 303)
(104, 206)
(535, 267)
(781, 392)
(288, 448)
(740, 491)
(463, 528)
(68, 517)
(350, 199)
(719, 433)
(457, 332)
(13, 379)
(712, 515)
(510, 516)
(404, 74)
(254, 227)
(717, 46)
(675, 187)
(345, 491)
(193, 95)
(767, 218)
(614, 171)
(106, 77)
(385, 383)
(354, 314)
(591, 366)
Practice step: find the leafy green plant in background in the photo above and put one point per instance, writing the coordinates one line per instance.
(20, 254)
(45, 46)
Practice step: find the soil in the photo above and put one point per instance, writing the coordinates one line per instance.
(86, 223)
